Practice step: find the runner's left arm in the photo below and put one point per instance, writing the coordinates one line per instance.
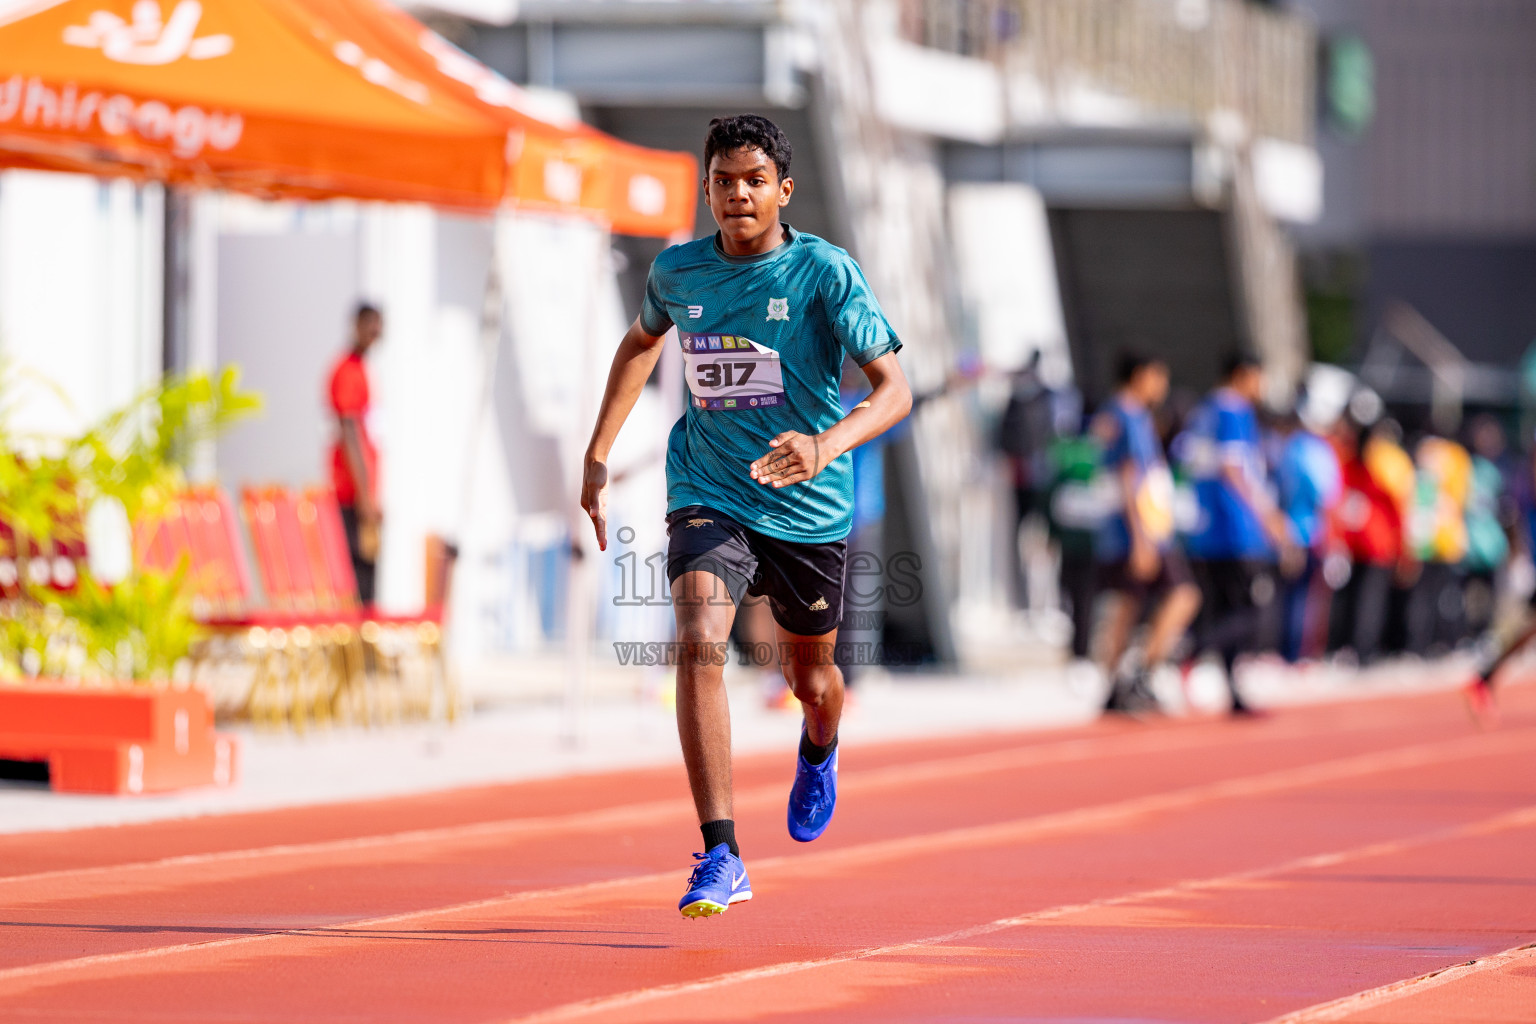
(632, 366)
(795, 457)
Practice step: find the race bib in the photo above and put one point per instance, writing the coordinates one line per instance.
(729, 373)
(1155, 503)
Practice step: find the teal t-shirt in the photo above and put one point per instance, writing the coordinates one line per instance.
(763, 341)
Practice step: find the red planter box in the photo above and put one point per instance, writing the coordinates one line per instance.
(115, 740)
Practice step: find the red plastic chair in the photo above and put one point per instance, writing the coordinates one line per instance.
(220, 575)
(260, 511)
(409, 646)
(325, 543)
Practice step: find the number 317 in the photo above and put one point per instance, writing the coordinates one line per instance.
(717, 375)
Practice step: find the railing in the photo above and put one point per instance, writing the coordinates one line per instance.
(1187, 57)
(973, 28)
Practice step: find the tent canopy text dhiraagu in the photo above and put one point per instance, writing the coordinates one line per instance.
(307, 99)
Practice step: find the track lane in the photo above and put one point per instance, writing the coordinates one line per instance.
(328, 893)
(534, 955)
(601, 932)
(1110, 911)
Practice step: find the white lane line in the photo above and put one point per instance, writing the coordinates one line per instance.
(888, 849)
(1341, 1009)
(1118, 813)
(626, 815)
(1524, 817)
(30, 971)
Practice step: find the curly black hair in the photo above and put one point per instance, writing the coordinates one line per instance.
(748, 131)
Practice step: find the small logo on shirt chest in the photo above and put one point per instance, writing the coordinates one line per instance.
(778, 309)
(694, 312)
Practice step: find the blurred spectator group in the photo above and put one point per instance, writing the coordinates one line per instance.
(1325, 528)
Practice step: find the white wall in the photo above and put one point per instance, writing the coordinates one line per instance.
(1007, 276)
(79, 295)
(284, 302)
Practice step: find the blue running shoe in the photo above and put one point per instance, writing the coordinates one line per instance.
(718, 880)
(812, 798)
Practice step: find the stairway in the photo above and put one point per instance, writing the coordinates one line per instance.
(1158, 281)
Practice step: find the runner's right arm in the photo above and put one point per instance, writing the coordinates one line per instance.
(1142, 556)
(632, 366)
(1145, 559)
(1271, 520)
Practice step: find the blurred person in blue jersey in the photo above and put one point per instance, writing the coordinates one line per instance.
(1240, 530)
(1309, 482)
(1139, 558)
(760, 476)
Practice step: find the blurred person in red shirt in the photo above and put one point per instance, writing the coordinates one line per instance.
(1378, 480)
(354, 459)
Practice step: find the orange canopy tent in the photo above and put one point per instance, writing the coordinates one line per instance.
(310, 99)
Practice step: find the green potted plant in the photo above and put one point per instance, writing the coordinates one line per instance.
(138, 625)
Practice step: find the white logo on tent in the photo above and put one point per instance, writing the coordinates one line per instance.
(647, 195)
(379, 73)
(148, 40)
(188, 128)
(488, 85)
(562, 181)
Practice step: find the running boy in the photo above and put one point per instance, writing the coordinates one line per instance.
(1140, 558)
(759, 479)
(1241, 528)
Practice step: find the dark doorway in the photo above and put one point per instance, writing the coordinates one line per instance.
(1159, 281)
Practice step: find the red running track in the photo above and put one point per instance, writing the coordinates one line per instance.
(1359, 862)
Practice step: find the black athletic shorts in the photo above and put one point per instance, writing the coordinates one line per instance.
(1173, 571)
(803, 582)
(1233, 584)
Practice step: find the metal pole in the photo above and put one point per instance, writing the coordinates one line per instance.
(176, 282)
(490, 351)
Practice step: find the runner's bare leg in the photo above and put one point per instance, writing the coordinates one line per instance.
(1510, 648)
(704, 615)
(815, 679)
(1124, 613)
(1171, 621)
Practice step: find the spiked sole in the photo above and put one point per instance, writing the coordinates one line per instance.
(709, 908)
(702, 908)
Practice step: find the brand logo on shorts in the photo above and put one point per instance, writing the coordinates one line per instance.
(778, 309)
(702, 522)
(819, 606)
(694, 312)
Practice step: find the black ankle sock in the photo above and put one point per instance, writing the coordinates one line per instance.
(721, 831)
(814, 754)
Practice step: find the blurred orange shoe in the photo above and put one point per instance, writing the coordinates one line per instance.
(777, 696)
(1479, 697)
